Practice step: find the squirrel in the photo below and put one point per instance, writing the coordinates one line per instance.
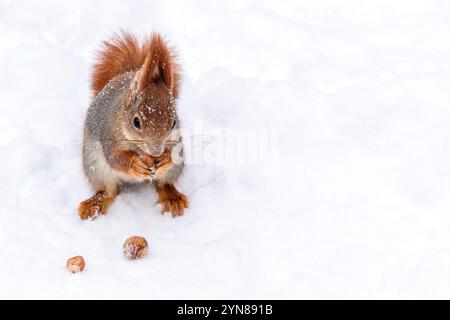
(131, 127)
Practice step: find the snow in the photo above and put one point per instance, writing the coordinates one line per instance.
(347, 194)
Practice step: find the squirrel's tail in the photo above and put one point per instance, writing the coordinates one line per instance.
(120, 54)
(124, 53)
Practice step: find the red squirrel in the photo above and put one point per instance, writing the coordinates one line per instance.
(132, 126)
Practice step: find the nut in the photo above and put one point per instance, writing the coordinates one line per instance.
(135, 247)
(75, 264)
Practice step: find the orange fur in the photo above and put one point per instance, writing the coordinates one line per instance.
(153, 58)
(171, 199)
(97, 204)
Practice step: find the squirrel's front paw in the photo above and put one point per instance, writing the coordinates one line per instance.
(139, 169)
(163, 164)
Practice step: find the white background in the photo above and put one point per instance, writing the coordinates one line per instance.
(358, 208)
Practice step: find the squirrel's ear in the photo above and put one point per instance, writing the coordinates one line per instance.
(158, 66)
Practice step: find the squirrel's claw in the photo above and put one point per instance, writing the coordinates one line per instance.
(140, 169)
(172, 200)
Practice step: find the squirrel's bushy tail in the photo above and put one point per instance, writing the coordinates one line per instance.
(120, 54)
(124, 53)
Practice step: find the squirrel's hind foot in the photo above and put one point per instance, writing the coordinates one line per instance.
(97, 204)
(171, 199)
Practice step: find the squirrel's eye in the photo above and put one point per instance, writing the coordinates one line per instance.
(174, 123)
(136, 122)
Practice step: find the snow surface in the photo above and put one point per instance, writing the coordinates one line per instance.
(356, 205)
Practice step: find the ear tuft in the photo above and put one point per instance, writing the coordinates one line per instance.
(159, 65)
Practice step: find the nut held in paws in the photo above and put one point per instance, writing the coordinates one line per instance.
(135, 247)
(75, 264)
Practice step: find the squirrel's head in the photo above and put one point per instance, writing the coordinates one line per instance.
(150, 120)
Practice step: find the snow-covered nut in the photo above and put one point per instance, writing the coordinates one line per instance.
(75, 264)
(135, 247)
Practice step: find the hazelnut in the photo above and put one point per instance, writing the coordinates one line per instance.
(75, 264)
(135, 247)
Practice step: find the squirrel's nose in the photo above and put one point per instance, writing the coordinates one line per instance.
(156, 150)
